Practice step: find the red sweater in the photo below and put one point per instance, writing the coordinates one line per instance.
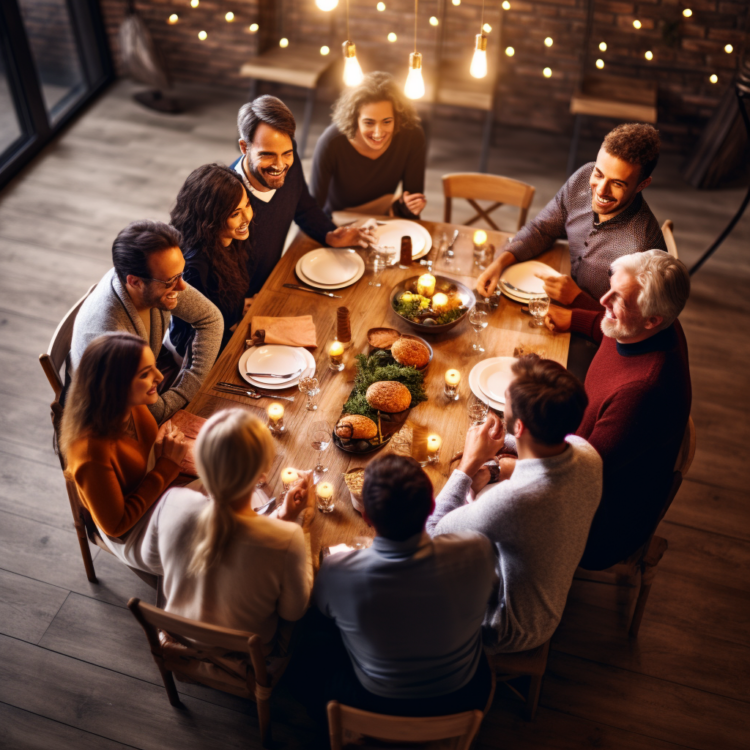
(639, 404)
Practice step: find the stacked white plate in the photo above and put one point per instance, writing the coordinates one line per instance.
(293, 361)
(390, 233)
(520, 283)
(330, 268)
(490, 378)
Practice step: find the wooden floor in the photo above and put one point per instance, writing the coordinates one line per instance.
(74, 668)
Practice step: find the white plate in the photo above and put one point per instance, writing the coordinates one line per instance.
(274, 358)
(390, 234)
(309, 370)
(476, 371)
(357, 276)
(495, 378)
(515, 297)
(522, 277)
(328, 266)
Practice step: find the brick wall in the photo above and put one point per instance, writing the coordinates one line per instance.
(686, 51)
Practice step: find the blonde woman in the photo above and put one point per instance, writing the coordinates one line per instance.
(221, 562)
(374, 143)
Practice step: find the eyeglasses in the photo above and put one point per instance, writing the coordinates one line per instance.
(167, 284)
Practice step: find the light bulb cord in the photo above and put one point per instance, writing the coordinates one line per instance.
(348, 38)
(416, 10)
(481, 25)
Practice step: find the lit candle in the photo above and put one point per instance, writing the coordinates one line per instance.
(275, 412)
(480, 237)
(452, 377)
(426, 285)
(433, 448)
(288, 477)
(439, 302)
(336, 356)
(324, 493)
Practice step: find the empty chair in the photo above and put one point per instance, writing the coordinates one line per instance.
(474, 186)
(531, 664)
(667, 229)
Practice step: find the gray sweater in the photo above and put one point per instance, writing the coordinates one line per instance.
(539, 521)
(109, 308)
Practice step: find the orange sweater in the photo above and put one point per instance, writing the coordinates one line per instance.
(111, 475)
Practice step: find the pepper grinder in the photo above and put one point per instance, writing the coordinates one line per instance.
(343, 327)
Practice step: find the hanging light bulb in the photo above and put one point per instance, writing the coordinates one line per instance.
(457, 2)
(283, 42)
(510, 51)
(392, 37)
(352, 71)
(324, 50)
(600, 64)
(202, 35)
(729, 49)
(229, 17)
(506, 5)
(687, 12)
(547, 72)
(478, 67)
(194, 3)
(549, 41)
(434, 21)
(649, 55)
(326, 5)
(414, 87)
(173, 19)
(637, 24)
(380, 7)
(253, 28)
(714, 78)
(603, 46)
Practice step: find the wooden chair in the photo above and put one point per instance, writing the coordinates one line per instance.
(635, 575)
(474, 186)
(531, 664)
(667, 229)
(224, 659)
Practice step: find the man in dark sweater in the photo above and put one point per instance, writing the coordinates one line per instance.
(272, 173)
(639, 394)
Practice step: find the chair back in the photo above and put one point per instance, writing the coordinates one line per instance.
(59, 347)
(667, 229)
(476, 186)
(463, 727)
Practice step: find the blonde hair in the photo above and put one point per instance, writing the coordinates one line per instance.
(232, 450)
(664, 283)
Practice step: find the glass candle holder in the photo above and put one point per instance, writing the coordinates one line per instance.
(452, 379)
(276, 419)
(336, 356)
(481, 249)
(433, 448)
(288, 477)
(311, 388)
(324, 495)
(426, 285)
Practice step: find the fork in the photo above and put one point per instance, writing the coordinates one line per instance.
(247, 390)
(274, 375)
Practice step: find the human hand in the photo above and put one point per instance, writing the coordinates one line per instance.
(350, 236)
(415, 202)
(483, 442)
(487, 281)
(481, 479)
(174, 445)
(562, 289)
(558, 319)
(300, 496)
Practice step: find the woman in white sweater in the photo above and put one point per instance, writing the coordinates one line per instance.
(222, 563)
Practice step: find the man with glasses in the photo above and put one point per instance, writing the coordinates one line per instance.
(139, 295)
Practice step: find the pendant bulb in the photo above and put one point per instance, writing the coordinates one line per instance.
(479, 61)
(414, 87)
(352, 71)
(326, 5)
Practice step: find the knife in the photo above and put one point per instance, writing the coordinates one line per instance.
(314, 291)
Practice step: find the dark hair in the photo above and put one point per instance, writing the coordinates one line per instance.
(204, 204)
(268, 109)
(98, 398)
(635, 143)
(134, 244)
(397, 496)
(548, 399)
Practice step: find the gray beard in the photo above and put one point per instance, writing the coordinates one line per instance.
(616, 330)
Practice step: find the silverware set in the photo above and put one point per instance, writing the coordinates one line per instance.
(242, 390)
(312, 291)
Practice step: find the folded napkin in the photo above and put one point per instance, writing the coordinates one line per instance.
(298, 331)
(189, 425)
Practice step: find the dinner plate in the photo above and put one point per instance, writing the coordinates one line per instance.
(390, 233)
(309, 371)
(357, 276)
(274, 358)
(495, 377)
(522, 276)
(328, 266)
(476, 371)
(515, 297)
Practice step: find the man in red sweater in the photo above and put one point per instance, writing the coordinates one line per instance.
(639, 397)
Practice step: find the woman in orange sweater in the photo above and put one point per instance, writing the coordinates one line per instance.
(119, 459)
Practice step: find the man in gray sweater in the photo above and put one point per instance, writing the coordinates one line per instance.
(538, 519)
(139, 295)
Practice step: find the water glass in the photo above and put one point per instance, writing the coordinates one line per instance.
(320, 438)
(377, 263)
(538, 307)
(477, 410)
(311, 388)
(478, 319)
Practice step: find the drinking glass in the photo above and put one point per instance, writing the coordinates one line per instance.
(478, 320)
(320, 438)
(477, 410)
(311, 388)
(378, 261)
(538, 307)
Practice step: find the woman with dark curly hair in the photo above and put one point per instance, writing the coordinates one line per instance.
(213, 214)
(374, 142)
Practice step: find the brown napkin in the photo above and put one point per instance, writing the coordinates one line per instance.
(190, 425)
(298, 331)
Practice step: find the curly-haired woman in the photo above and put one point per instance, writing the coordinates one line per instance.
(374, 142)
(213, 214)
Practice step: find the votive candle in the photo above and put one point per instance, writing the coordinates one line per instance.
(288, 477)
(276, 418)
(336, 356)
(433, 448)
(426, 285)
(324, 493)
(439, 302)
(452, 379)
(480, 237)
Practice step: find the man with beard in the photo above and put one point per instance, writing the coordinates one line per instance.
(639, 394)
(139, 295)
(272, 173)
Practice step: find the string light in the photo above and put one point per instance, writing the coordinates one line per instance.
(324, 50)
(486, 28)
(414, 87)
(380, 7)
(478, 67)
(600, 63)
(549, 41)
(434, 21)
(352, 70)
(637, 24)
(714, 78)
(253, 28)
(202, 36)
(392, 37)
(649, 55)
(506, 5)
(195, 3)
(283, 42)
(229, 17)
(687, 12)
(174, 18)
(547, 72)
(457, 2)
(729, 49)
(603, 46)
(326, 5)
(510, 51)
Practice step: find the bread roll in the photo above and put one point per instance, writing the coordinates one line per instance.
(410, 352)
(356, 427)
(388, 396)
(382, 338)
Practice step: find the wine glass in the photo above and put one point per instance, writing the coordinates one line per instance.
(320, 438)
(477, 409)
(538, 307)
(478, 319)
(311, 388)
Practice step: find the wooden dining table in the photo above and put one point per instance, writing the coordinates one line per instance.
(509, 328)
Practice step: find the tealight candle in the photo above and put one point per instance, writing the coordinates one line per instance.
(324, 493)
(452, 379)
(480, 237)
(433, 448)
(439, 302)
(336, 356)
(276, 418)
(426, 285)
(288, 477)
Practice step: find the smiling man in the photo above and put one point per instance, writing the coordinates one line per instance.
(272, 173)
(600, 211)
(140, 295)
